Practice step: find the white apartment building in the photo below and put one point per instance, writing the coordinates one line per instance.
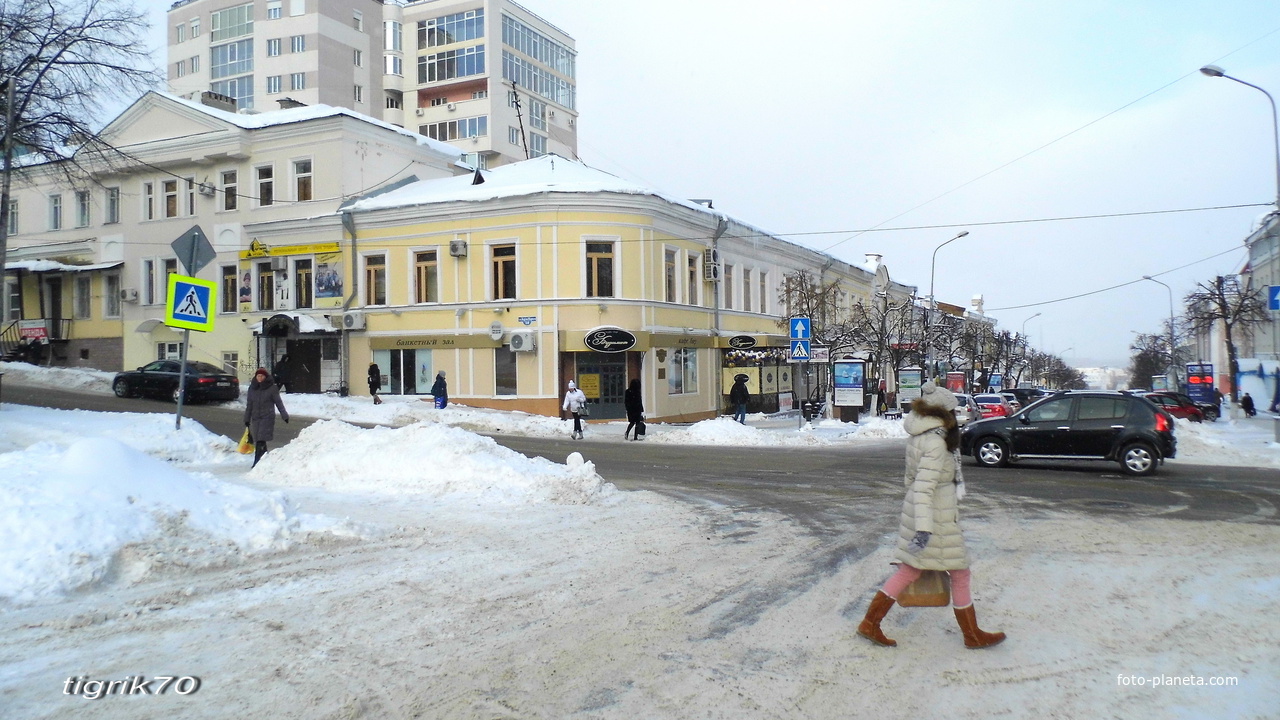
(487, 76)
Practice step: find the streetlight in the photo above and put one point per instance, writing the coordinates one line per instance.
(1172, 367)
(933, 304)
(1215, 71)
(1024, 324)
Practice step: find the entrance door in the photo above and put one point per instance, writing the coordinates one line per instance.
(609, 370)
(304, 361)
(53, 286)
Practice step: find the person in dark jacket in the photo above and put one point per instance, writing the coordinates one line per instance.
(283, 374)
(375, 382)
(260, 405)
(1246, 404)
(739, 395)
(440, 390)
(634, 404)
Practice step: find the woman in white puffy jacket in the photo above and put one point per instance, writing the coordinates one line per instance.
(929, 536)
(574, 401)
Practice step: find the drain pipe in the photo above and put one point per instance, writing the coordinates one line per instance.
(348, 224)
(722, 226)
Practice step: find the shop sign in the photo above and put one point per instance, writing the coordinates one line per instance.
(609, 340)
(742, 342)
(434, 342)
(33, 330)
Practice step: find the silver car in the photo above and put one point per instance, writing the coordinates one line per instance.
(967, 409)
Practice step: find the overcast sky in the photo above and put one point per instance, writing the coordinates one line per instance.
(821, 121)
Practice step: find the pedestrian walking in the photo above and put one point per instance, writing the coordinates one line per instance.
(260, 405)
(375, 382)
(929, 536)
(739, 396)
(440, 390)
(1217, 397)
(1246, 404)
(575, 402)
(284, 373)
(634, 405)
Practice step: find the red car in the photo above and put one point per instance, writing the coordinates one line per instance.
(993, 405)
(1177, 405)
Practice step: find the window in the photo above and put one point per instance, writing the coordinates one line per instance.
(504, 370)
(746, 289)
(231, 59)
(1102, 408)
(302, 286)
(195, 29)
(357, 20)
(170, 268)
(14, 290)
(451, 64)
(375, 280)
(182, 68)
(394, 35)
(531, 43)
(167, 351)
(599, 269)
(55, 212)
(266, 186)
(669, 275)
(229, 288)
(513, 136)
(194, 62)
(113, 205)
(274, 84)
(538, 80)
(426, 285)
(504, 272)
(393, 65)
(266, 287)
(438, 101)
(83, 296)
(298, 43)
(297, 81)
(13, 217)
(273, 9)
(537, 115)
(182, 33)
(448, 29)
(111, 295)
(230, 362)
(537, 145)
(229, 190)
(393, 102)
(764, 294)
(479, 94)
(1052, 411)
(240, 88)
(455, 129)
(274, 47)
(358, 57)
(302, 180)
(358, 95)
(728, 286)
(682, 371)
(170, 198)
(191, 196)
(148, 282)
(148, 201)
(82, 208)
(694, 261)
(230, 23)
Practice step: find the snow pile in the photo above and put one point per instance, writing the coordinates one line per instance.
(1238, 441)
(100, 510)
(150, 433)
(60, 378)
(426, 459)
(874, 428)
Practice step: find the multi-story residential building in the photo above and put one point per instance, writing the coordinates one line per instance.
(487, 76)
(90, 258)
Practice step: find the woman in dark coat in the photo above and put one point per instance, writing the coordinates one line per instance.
(635, 409)
(260, 405)
(440, 390)
(375, 382)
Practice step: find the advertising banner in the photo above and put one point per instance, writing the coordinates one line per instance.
(850, 383)
(727, 376)
(909, 380)
(995, 383)
(956, 382)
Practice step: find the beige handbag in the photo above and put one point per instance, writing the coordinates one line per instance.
(931, 589)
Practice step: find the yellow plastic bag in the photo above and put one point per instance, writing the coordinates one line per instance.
(246, 443)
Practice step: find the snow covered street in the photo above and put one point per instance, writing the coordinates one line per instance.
(425, 571)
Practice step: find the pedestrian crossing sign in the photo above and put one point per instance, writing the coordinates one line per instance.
(190, 303)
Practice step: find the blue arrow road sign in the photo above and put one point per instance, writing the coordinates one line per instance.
(1273, 297)
(799, 328)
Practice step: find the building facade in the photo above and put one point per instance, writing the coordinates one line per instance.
(487, 76)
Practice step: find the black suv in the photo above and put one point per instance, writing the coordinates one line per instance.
(1077, 425)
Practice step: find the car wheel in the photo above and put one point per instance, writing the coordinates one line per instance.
(175, 395)
(1138, 459)
(1211, 415)
(121, 388)
(991, 452)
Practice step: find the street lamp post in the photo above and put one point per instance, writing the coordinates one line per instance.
(1024, 325)
(1173, 367)
(1215, 71)
(933, 304)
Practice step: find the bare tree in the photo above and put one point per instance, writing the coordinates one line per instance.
(60, 62)
(1224, 303)
(1149, 359)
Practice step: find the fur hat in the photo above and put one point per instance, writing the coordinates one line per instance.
(939, 397)
(572, 385)
(262, 371)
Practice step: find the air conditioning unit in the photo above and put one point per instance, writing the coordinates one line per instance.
(711, 271)
(207, 190)
(279, 263)
(129, 295)
(420, 111)
(458, 248)
(453, 106)
(523, 341)
(353, 321)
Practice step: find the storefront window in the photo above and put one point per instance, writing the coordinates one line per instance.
(504, 371)
(682, 372)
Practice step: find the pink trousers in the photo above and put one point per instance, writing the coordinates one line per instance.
(960, 596)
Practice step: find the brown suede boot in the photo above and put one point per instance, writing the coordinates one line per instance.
(870, 626)
(974, 637)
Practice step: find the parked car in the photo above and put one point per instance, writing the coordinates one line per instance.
(993, 405)
(1178, 405)
(205, 382)
(1210, 410)
(1014, 402)
(1077, 425)
(1026, 396)
(967, 409)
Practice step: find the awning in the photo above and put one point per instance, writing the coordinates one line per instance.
(55, 266)
(286, 323)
